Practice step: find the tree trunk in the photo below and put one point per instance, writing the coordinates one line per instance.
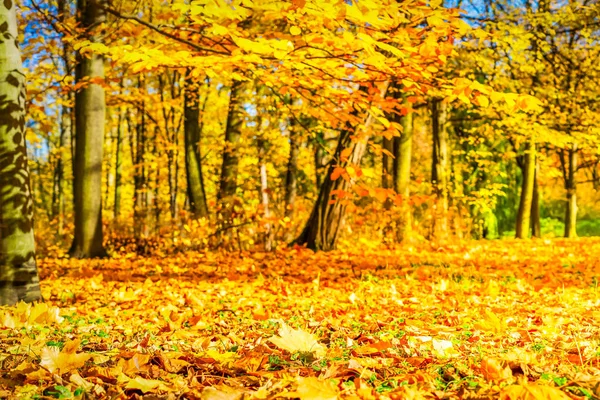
(320, 158)
(439, 168)
(571, 186)
(387, 167)
(291, 177)
(18, 272)
(229, 169)
(118, 162)
(264, 192)
(403, 155)
(536, 226)
(66, 125)
(140, 175)
(322, 229)
(527, 186)
(193, 160)
(89, 123)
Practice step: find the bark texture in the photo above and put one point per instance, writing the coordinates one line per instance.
(322, 229)
(527, 188)
(229, 169)
(536, 225)
(18, 272)
(90, 111)
(193, 160)
(571, 187)
(291, 176)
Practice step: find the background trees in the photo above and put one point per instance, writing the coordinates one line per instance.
(309, 122)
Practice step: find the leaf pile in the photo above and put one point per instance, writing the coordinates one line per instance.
(509, 320)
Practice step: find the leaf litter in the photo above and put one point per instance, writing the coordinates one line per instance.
(509, 320)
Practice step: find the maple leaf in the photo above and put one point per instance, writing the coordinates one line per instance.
(64, 360)
(312, 388)
(297, 340)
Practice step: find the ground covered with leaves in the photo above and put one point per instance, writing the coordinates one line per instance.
(503, 319)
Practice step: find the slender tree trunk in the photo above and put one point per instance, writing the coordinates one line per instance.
(291, 176)
(403, 156)
(439, 169)
(319, 159)
(140, 176)
(322, 229)
(193, 160)
(571, 186)
(118, 167)
(18, 272)
(387, 167)
(89, 122)
(264, 194)
(527, 186)
(536, 226)
(229, 168)
(66, 125)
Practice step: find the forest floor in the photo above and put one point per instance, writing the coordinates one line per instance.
(489, 319)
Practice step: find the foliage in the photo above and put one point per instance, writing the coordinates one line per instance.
(483, 319)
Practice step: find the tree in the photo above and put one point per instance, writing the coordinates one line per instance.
(527, 191)
(229, 168)
(402, 148)
(18, 272)
(569, 167)
(193, 160)
(90, 108)
(321, 231)
(439, 167)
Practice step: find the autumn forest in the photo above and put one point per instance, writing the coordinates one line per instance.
(310, 199)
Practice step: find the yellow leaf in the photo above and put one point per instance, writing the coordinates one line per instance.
(532, 392)
(295, 340)
(483, 100)
(312, 388)
(294, 30)
(64, 361)
(146, 385)
(222, 393)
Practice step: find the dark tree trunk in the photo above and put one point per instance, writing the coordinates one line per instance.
(571, 187)
(229, 169)
(536, 226)
(322, 229)
(527, 186)
(193, 160)
(291, 177)
(118, 162)
(387, 167)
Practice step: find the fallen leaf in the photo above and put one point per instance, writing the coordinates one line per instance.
(294, 340)
(64, 361)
